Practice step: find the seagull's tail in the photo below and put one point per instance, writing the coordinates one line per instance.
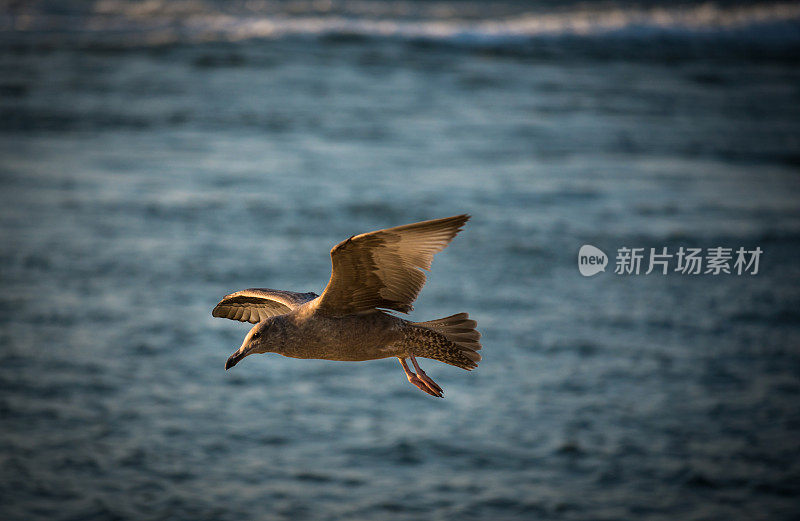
(460, 347)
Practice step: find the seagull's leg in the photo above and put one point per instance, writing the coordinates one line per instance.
(416, 381)
(425, 378)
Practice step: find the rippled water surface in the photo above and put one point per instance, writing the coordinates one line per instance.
(149, 165)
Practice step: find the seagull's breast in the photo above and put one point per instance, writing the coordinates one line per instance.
(351, 337)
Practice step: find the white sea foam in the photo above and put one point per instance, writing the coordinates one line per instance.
(196, 20)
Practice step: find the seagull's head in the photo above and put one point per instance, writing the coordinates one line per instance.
(261, 339)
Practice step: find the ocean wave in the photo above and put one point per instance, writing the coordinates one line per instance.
(162, 21)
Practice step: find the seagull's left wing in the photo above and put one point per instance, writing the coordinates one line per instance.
(256, 304)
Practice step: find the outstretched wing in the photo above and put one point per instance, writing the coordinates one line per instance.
(256, 304)
(383, 269)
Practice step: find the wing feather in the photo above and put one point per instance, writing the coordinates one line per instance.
(256, 304)
(383, 269)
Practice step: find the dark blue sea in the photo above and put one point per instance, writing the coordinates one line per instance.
(157, 155)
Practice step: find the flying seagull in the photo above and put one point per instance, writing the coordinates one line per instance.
(372, 272)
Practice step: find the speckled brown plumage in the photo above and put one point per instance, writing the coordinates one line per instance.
(429, 344)
(347, 322)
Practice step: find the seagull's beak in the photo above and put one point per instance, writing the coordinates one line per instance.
(233, 360)
(236, 357)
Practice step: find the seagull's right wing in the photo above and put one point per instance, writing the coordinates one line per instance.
(256, 304)
(384, 269)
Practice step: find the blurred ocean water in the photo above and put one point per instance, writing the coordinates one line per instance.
(155, 156)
